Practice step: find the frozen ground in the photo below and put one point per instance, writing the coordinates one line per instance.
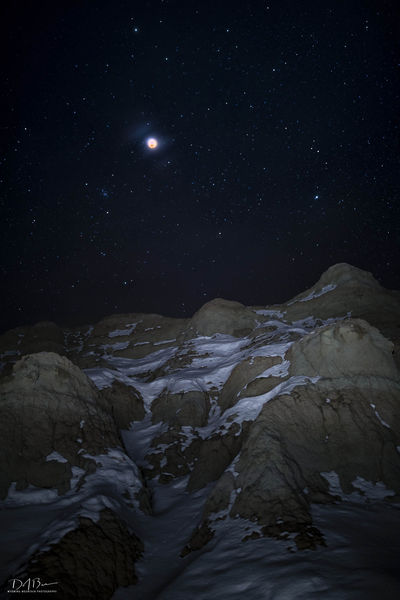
(360, 560)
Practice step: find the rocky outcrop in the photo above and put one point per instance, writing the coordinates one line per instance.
(61, 447)
(244, 376)
(259, 412)
(133, 335)
(90, 562)
(302, 441)
(348, 349)
(215, 454)
(222, 316)
(343, 290)
(52, 418)
(346, 290)
(184, 409)
(204, 460)
(125, 404)
(296, 438)
(49, 408)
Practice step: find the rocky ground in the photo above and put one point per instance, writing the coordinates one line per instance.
(151, 457)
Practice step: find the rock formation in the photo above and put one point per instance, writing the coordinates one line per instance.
(261, 412)
(91, 561)
(61, 448)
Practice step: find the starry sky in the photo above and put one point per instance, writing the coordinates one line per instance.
(278, 129)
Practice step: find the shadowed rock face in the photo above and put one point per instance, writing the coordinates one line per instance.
(190, 408)
(344, 427)
(48, 405)
(264, 410)
(91, 561)
(223, 316)
(61, 448)
(215, 454)
(298, 437)
(346, 349)
(128, 336)
(344, 289)
(205, 460)
(125, 404)
(52, 419)
(245, 374)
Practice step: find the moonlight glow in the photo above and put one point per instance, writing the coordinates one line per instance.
(152, 143)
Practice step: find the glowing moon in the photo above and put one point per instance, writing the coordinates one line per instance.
(152, 143)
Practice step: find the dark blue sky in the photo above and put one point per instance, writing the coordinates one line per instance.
(278, 127)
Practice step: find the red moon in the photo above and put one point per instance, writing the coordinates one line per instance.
(152, 143)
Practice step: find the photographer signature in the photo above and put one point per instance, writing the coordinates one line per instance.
(32, 584)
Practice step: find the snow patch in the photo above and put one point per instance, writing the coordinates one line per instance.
(270, 313)
(373, 406)
(164, 342)
(365, 490)
(372, 491)
(31, 495)
(56, 456)
(280, 370)
(315, 294)
(116, 346)
(231, 468)
(120, 332)
(248, 408)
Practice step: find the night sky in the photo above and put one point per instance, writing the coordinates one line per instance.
(278, 129)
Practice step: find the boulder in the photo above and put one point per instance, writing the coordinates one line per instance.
(186, 408)
(222, 316)
(261, 385)
(51, 416)
(352, 433)
(241, 378)
(214, 455)
(204, 460)
(124, 402)
(89, 562)
(347, 348)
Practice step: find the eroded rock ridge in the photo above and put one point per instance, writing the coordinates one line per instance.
(263, 410)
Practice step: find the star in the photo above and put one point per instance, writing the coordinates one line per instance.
(163, 154)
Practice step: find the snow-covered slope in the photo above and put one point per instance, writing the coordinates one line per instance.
(247, 450)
